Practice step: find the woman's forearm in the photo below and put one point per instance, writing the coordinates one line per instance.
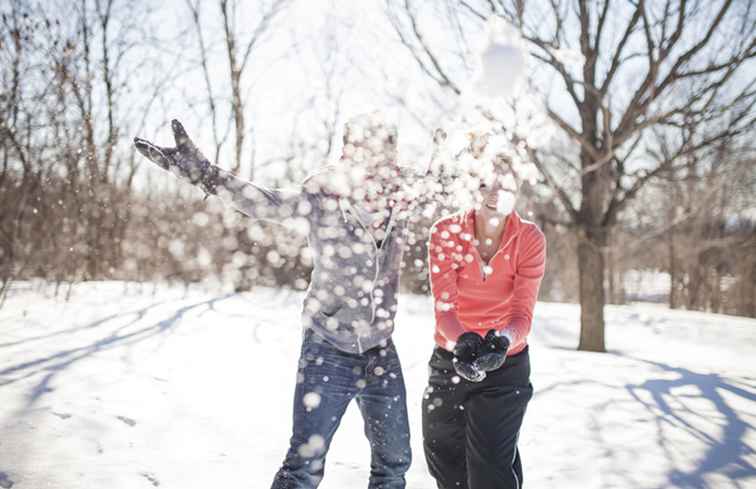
(256, 201)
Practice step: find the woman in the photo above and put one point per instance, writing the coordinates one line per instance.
(486, 267)
(357, 242)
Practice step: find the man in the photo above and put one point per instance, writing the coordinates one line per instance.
(356, 235)
(486, 267)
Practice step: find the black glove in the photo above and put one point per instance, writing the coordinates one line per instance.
(185, 160)
(466, 352)
(493, 353)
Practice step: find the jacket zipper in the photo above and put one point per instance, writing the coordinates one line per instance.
(377, 262)
(378, 252)
(483, 266)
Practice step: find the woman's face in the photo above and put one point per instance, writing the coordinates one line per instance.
(370, 150)
(498, 192)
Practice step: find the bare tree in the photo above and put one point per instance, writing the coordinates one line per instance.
(674, 67)
(68, 172)
(711, 236)
(239, 49)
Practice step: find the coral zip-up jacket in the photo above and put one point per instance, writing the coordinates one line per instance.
(472, 296)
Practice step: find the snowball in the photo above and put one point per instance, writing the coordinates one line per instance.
(200, 219)
(332, 324)
(311, 400)
(314, 446)
(203, 258)
(176, 247)
(273, 257)
(502, 62)
(505, 202)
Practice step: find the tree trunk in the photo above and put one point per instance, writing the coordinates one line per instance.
(238, 109)
(592, 297)
(611, 284)
(749, 304)
(674, 299)
(716, 291)
(694, 287)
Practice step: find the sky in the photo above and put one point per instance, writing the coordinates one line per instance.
(288, 71)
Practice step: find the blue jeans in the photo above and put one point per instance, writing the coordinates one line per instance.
(327, 381)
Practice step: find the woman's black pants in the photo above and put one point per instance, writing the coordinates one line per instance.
(470, 430)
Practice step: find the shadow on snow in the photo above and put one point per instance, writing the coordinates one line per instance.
(725, 455)
(56, 364)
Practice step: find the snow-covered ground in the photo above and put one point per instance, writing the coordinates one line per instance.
(119, 388)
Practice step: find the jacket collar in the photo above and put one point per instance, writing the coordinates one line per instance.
(363, 216)
(511, 229)
(349, 212)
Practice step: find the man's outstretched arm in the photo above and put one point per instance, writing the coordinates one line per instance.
(187, 162)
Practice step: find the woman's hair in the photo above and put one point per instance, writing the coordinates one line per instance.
(359, 130)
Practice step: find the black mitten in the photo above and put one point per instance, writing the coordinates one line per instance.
(186, 160)
(466, 351)
(493, 353)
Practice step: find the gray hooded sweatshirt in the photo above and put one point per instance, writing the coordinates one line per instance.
(352, 298)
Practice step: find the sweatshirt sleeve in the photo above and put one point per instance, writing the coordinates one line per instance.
(531, 263)
(261, 203)
(443, 281)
